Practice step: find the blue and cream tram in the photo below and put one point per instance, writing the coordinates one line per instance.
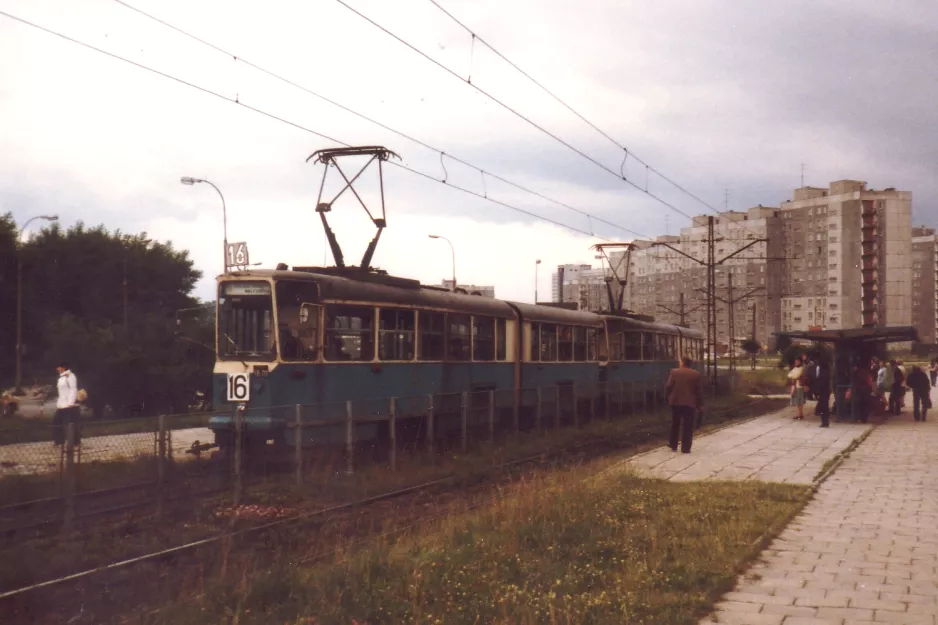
(319, 337)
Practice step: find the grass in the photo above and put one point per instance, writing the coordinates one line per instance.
(105, 539)
(764, 381)
(556, 549)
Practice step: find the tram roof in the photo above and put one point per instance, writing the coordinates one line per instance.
(380, 288)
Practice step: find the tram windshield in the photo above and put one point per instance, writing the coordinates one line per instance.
(245, 319)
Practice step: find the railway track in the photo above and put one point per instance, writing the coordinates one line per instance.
(99, 594)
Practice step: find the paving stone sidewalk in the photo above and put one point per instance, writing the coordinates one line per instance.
(771, 448)
(865, 550)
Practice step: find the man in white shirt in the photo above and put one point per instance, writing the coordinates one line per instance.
(66, 406)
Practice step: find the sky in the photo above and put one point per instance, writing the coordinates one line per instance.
(727, 99)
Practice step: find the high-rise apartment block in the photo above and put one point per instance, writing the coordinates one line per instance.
(484, 291)
(925, 284)
(580, 284)
(844, 256)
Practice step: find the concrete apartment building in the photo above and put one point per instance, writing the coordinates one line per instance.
(484, 291)
(836, 257)
(925, 284)
(580, 284)
(661, 279)
(851, 249)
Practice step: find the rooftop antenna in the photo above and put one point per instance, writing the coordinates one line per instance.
(802, 175)
(329, 157)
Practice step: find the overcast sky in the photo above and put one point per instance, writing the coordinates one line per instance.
(716, 95)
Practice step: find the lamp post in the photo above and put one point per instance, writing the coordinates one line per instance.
(18, 390)
(186, 180)
(436, 236)
(536, 264)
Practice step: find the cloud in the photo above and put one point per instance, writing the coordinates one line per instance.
(715, 95)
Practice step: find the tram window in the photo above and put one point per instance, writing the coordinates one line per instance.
(648, 346)
(579, 344)
(535, 342)
(245, 319)
(661, 346)
(395, 334)
(633, 345)
(615, 347)
(432, 342)
(591, 338)
(298, 325)
(548, 343)
(564, 343)
(458, 337)
(349, 333)
(501, 340)
(483, 338)
(672, 347)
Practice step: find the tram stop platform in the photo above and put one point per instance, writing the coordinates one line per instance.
(865, 548)
(770, 448)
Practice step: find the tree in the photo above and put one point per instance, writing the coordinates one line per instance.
(107, 304)
(751, 346)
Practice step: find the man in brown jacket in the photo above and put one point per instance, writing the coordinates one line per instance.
(685, 396)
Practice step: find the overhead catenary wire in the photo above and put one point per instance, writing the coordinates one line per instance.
(559, 100)
(371, 120)
(515, 112)
(240, 102)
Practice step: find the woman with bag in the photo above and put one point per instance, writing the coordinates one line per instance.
(797, 380)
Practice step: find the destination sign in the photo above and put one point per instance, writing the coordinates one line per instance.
(247, 288)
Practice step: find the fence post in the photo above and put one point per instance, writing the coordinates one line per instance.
(161, 463)
(298, 452)
(606, 400)
(69, 477)
(576, 405)
(430, 420)
(557, 412)
(239, 435)
(593, 392)
(516, 410)
(349, 439)
(537, 413)
(491, 416)
(392, 427)
(463, 416)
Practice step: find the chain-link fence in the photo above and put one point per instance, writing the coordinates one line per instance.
(100, 467)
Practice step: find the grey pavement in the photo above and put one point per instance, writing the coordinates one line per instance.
(771, 448)
(864, 550)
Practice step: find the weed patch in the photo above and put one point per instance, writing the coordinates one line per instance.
(558, 549)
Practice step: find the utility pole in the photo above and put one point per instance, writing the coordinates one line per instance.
(710, 265)
(732, 321)
(754, 308)
(711, 302)
(682, 310)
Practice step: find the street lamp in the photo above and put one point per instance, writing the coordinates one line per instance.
(18, 390)
(186, 180)
(536, 263)
(436, 236)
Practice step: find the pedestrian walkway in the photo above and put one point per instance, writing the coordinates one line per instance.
(864, 550)
(771, 448)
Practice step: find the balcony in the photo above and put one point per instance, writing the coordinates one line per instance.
(867, 208)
